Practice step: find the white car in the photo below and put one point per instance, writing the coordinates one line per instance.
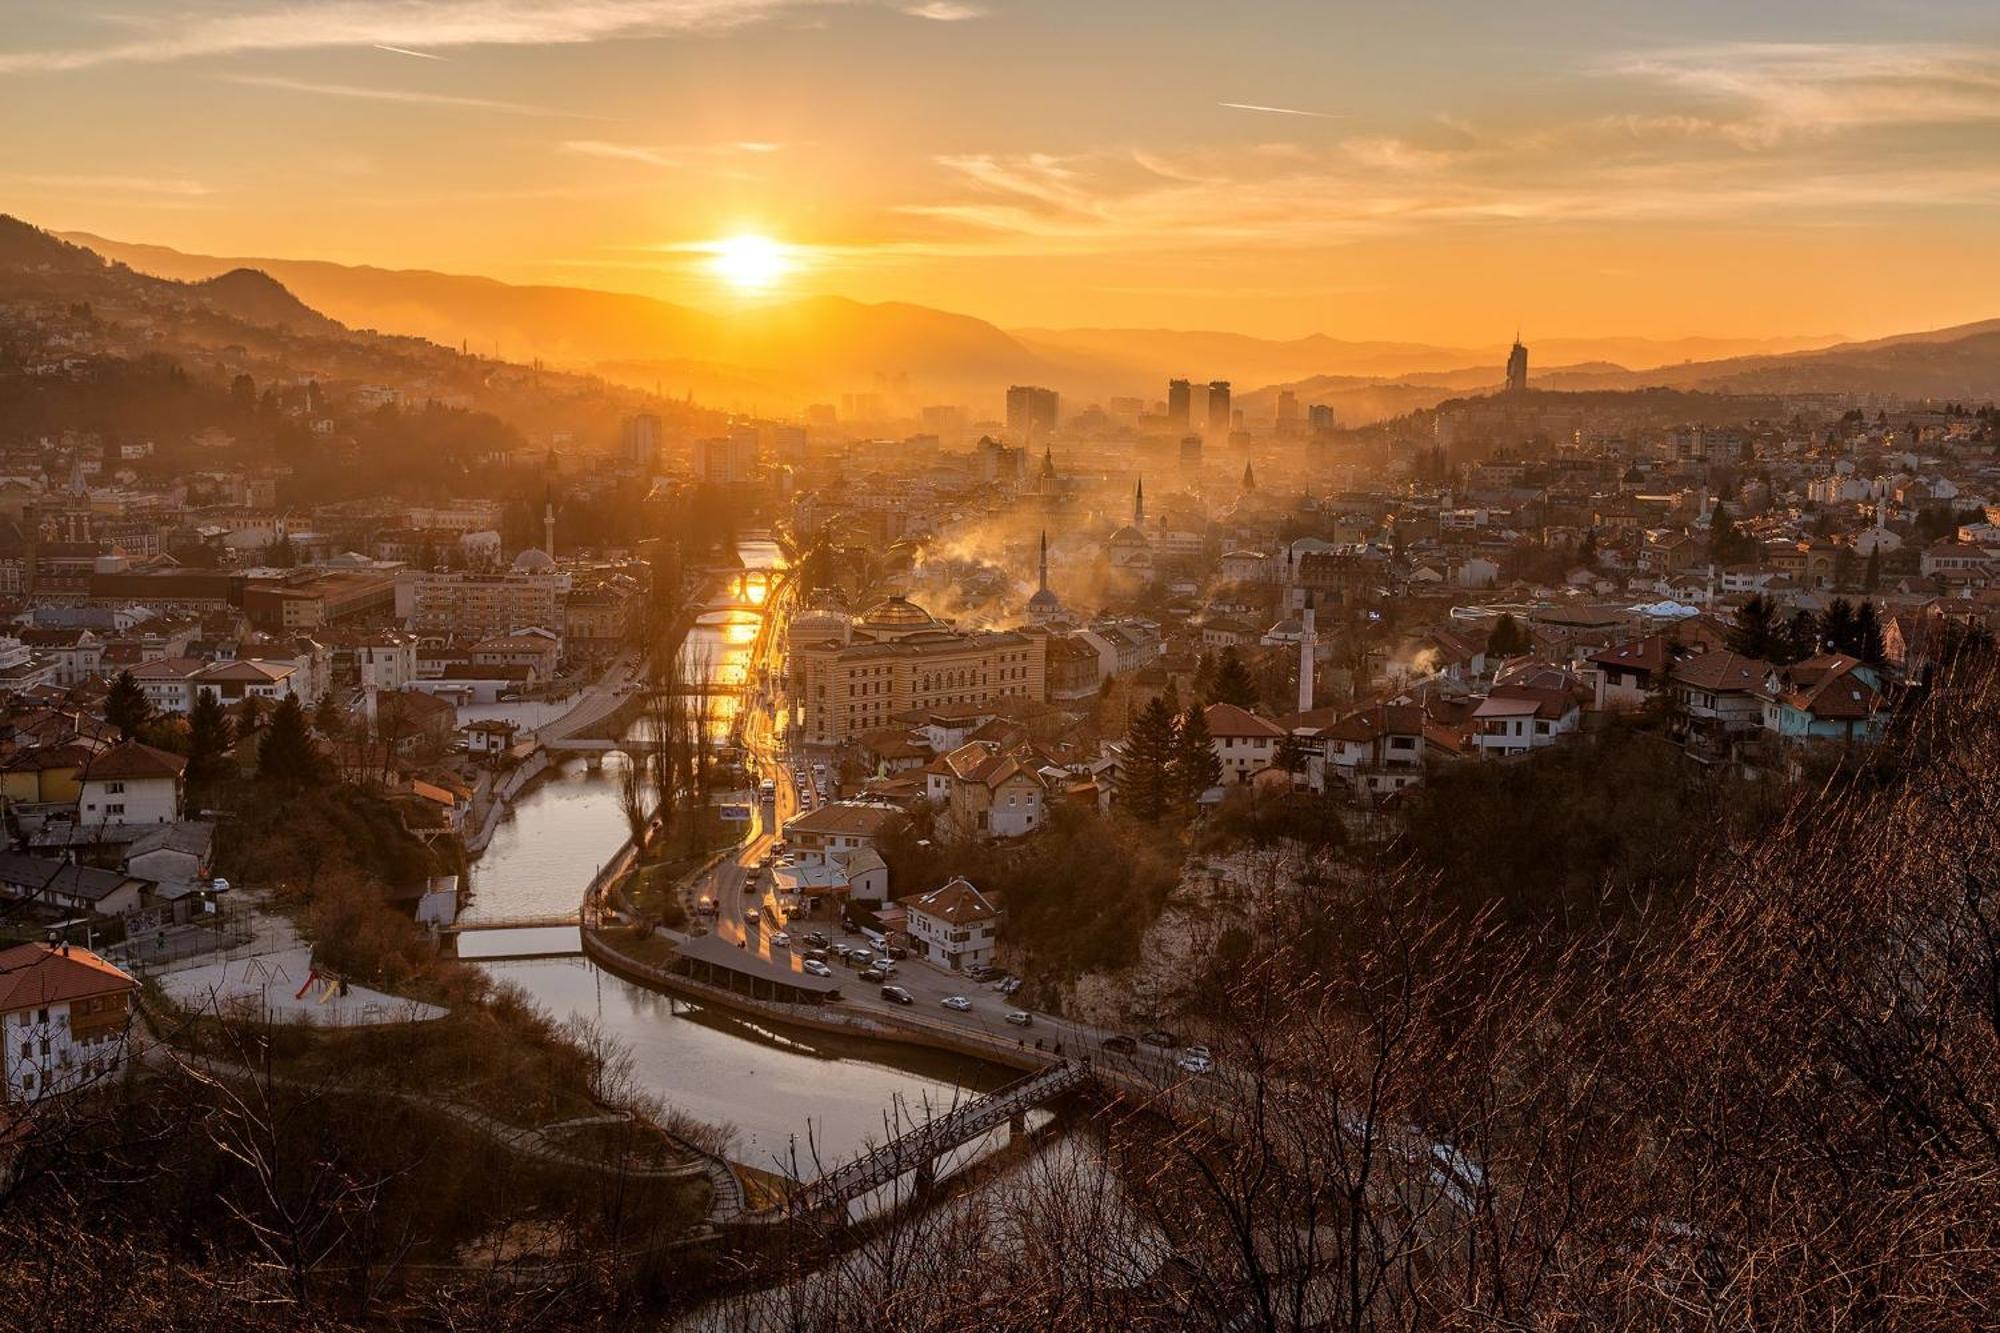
(1196, 1060)
(957, 1003)
(780, 940)
(814, 967)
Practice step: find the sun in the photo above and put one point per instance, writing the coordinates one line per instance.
(749, 263)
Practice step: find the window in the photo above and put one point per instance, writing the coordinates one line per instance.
(117, 809)
(113, 788)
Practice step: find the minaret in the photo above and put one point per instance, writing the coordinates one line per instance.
(1045, 561)
(549, 522)
(1308, 640)
(1139, 504)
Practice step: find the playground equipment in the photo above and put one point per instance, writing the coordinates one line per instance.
(335, 984)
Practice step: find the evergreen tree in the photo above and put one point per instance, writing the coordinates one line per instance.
(1204, 676)
(329, 718)
(1233, 682)
(1196, 767)
(1871, 575)
(287, 757)
(1843, 569)
(1800, 639)
(1868, 635)
(1293, 755)
(1586, 551)
(208, 739)
(1839, 631)
(1149, 753)
(1755, 632)
(126, 707)
(1508, 639)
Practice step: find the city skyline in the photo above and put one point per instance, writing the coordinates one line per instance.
(1441, 175)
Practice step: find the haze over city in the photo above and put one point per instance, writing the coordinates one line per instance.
(908, 666)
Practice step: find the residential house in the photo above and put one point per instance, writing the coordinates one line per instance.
(1829, 697)
(1530, 707)
(840, 826)
(987, 790)
(63, 1018)
(952, 928)
(1245, 743)
(1721, 690)
(63, 888)
(130, 784)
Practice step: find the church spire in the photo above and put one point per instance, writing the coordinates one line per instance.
(1139, 503)
(1249, 477)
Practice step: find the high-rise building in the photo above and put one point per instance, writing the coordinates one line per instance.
(1191, 454)
(1320, 417)
(1180, 401)
(1031, 411)
(642, 439)
(1220, 418)
(1288, 406)
(1517, 367)
(730, 461)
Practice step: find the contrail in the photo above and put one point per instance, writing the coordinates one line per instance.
(1280, 110)
(406, 51)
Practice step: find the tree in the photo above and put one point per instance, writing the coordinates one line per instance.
(1293, 754)
(329, 718)
(1868, 635)
(1586, 551)
(1149, 754)
(1755, 632)
(1727, 543)
(208, 739)
(286, 758)
(126, 707)
(1839, 631)
(1508, 639)
(1233, 682)
(1196, 767)
(1204, 675)
(1800, 638)
(1871, 574)
(1843, 569)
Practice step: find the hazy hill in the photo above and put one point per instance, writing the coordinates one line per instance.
(788, 351)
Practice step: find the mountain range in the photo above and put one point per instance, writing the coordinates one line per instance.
(781, 355)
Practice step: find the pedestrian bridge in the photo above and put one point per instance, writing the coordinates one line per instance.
(919, 1149)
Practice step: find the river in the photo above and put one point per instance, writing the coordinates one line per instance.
(790, 1095)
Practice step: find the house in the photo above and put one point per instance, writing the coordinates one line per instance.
(46, 775)
(1530, 708)
(172, 852)
(987, 791)
(952, 928)
(537, 649)
(63, 1018)
(1381, 749)
(1722, 690)
(841, 826)
(1829, 697)
(1245, 743)
(130, 784)
(66, 888)
(234, 682)
(168, 682)
(1628, 674)
(490, 736)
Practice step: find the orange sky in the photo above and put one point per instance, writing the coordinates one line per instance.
(1436, 171)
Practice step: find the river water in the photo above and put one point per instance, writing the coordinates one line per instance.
(792, 1096)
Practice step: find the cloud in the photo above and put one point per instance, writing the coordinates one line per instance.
(167, 188)
(406, 96)
(405, 51)
(215, 28)
(1760, 94)
(667, 157)
(945, 11)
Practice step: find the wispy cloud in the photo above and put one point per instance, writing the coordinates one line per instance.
(945, 11)
(213, 28)
(165, 187)
(406, 96)
(1281, 110)
(668, 156)
(1758, 94)
(406, 51)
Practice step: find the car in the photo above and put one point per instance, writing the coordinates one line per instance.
(981, 972)
(957, 1004)
(1195, 1060)
(1020, 1018)
(750, 884)
(817, 955)
(751, 915)
(818, 939)
(885, 963)
(1010, 985)
(1156, 1037)
(874, 974)
(898, 995)
(814, 967)
(1120, 1044)
(780, 940)
(897, 952)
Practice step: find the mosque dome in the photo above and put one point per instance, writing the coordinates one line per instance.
(534, 560)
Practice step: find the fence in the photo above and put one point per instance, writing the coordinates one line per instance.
(227, 929)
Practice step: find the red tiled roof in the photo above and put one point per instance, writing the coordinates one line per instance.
(133, 760)
(1229, 720)
(32, 975)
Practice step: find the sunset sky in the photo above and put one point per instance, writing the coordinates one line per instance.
(1428, 169)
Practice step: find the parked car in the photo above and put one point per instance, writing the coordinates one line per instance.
(897, 952)
(1020, 1018)
(874, 974)
(981, 972)
(780, 940)
(957, 1004)
(814, 967)
(813, 955)
(818, 939)
(1120, 1044)
(1010, 985)
(752, 915)
(898, 995)
(1159, 1038)
(1195, 1060)
(886, 964)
